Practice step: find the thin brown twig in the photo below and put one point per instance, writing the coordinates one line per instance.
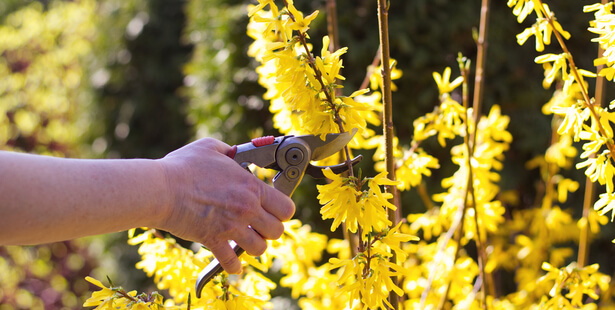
(481, 55)
(584, 236)
(422, 191)
(458, 233)
(588, 198)
(371, 69)
(334, 45)
(477, 102)
(332, 29)
(388, 127)
(442, 243)
(125, 294)
(332, 26)
(470, 142)
(469, 200)
(394, 215)
(457, 226)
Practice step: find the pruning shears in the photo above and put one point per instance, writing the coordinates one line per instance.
(291, 156)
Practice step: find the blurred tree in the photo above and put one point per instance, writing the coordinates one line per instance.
(135, 72)
(44, 108)
(225, 98)
(138, 74)
(10, 6)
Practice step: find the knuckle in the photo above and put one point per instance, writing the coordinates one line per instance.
(262, 249)
(225, 228)
(258, 248)
(277, 231)
(215, 246)
(229, 263)
(227, 258)
(245, 194)
(258, 189)
(290, 210)
(285, 209)
(239, 204)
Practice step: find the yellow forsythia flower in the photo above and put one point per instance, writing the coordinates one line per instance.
(99, 298)
(577, 282)
(444, 85)
(343, 202)
(340, 201)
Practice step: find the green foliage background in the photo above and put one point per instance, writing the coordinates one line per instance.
(161, 73)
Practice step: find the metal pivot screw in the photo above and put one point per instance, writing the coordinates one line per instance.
(292, 173)
(294, 156)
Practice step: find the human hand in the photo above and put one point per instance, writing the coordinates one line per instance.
(213, 200)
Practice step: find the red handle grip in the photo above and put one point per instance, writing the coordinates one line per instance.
(232, 152)
(262, 141)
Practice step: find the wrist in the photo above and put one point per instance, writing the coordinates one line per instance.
(162, 207)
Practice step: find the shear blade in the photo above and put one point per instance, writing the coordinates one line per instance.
(332, 143)
(317, 171)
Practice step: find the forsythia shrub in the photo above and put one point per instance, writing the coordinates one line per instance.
(466, 234)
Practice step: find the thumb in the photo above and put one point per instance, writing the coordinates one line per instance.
(213, 144)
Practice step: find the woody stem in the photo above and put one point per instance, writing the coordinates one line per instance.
(394, 215)
(589, 185)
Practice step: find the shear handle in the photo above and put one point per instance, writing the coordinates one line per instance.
(212, 269)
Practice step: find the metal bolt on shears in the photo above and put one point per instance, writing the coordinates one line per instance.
(291, 156)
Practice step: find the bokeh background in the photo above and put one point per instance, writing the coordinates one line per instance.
(140, 78)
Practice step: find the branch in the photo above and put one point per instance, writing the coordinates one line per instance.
(476, 105)
(394, 215)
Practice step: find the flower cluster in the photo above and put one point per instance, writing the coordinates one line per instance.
(570, 284)
(469, 208)
(492, 140)
(366, 276)
(175, 270)
(301, 87)
(576, 118)
(344, 201)
(168, 263)
(582, 118)
(118, 298)
(434, 268)
(602, 25)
